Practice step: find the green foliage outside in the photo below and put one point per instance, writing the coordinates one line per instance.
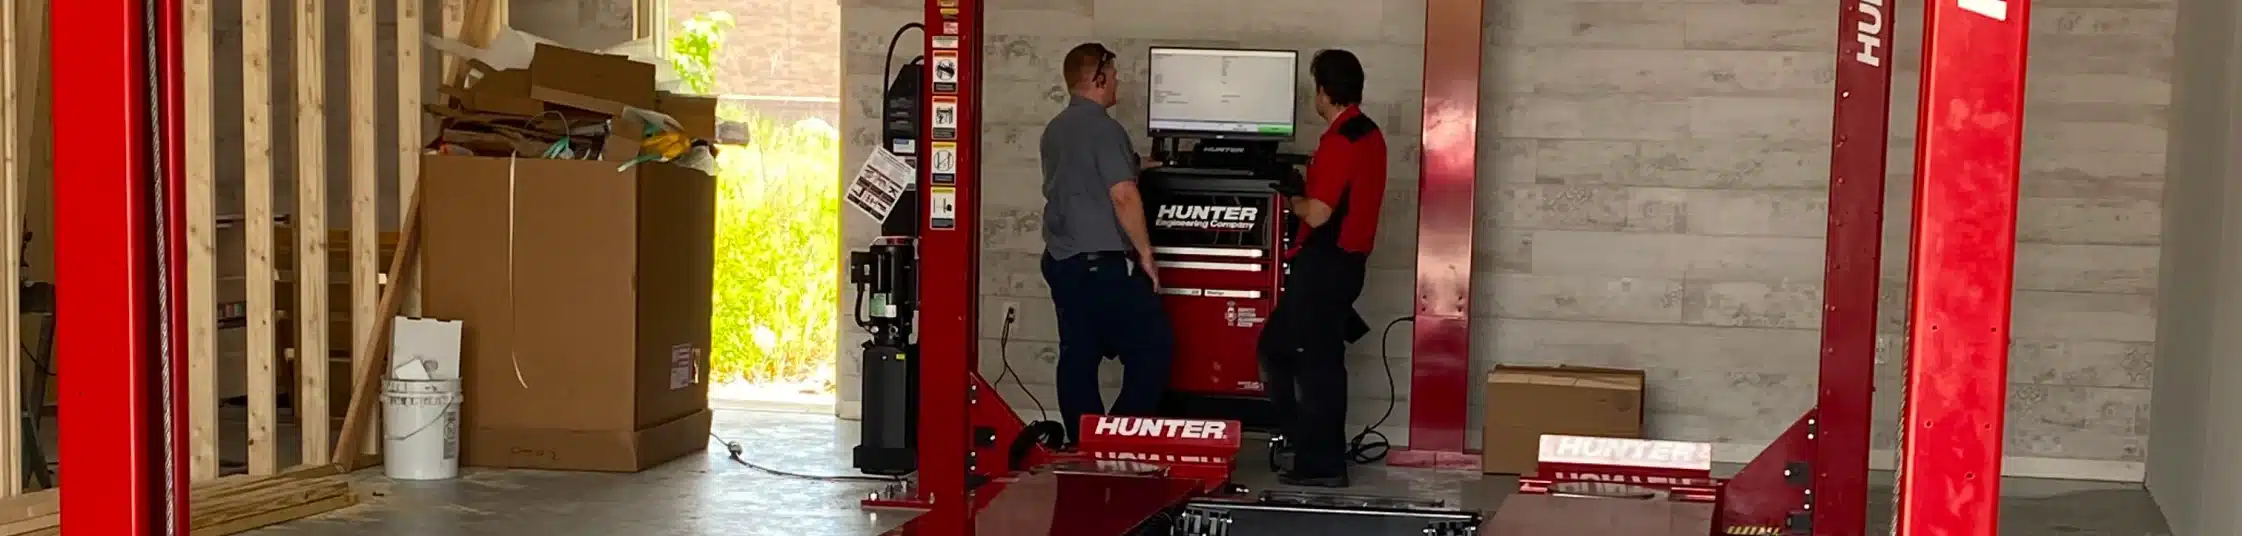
(777, 233)
(692, 53)
(778, 214)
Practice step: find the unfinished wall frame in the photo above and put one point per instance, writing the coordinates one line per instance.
(159, 206)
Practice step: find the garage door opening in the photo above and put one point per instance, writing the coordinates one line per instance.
(775, 64)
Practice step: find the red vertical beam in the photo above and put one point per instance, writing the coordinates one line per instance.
(949, 290)
(1851, 267)
(1440, 377)
(110, 426)
(1971, 122)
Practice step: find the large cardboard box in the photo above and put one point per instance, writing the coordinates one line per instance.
(585, 292)
(1523, 403)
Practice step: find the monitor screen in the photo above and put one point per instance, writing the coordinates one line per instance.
(1223, 93)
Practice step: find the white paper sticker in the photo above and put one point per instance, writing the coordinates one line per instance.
(684, 366)
(945, 42)
(879, 184)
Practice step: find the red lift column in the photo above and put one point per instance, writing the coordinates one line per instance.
(1440, 360)
(1971, 124)
(1852, 270)
(1831, 442)
(950, 254)
(125, 450)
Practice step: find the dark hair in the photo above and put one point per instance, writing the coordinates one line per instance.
(1339, 74)
(1085, 62)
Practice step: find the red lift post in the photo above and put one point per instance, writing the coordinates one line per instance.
(949, 332)
(112, 266)
(1852, 269)
(1440, 359)
(1970, 128)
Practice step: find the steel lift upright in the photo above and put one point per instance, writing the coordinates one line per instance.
(120, 238)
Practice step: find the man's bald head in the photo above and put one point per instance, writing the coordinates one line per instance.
(1089, 72)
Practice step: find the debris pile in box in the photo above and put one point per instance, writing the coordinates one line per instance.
(578, 105)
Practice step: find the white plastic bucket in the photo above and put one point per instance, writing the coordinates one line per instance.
(421, 421)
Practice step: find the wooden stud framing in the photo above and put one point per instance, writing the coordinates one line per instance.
(257, 176)
(410, 88)
(11, 193)
(311, 227)
(480, 24)
(202, 247)
(371, 305)
(365, 228)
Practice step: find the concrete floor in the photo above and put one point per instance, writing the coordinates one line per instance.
(710, 494)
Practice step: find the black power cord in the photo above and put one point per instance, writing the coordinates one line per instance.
(739, 455)
(1370, 446)
(1004, 354)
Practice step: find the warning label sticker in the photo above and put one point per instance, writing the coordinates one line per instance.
(945, 111)
(942, 208)
(944, 162)
(946, 75)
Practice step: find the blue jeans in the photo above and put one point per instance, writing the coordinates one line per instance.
(1107, 308)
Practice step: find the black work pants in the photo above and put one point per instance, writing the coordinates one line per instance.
(1304, 356)
(1108, 308)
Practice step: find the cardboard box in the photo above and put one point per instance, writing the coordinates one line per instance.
(590, 81)
(697, 114)
(502, 92)
(1523, 403)
(586, 307)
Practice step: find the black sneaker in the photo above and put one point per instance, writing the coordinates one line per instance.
(1335, 481)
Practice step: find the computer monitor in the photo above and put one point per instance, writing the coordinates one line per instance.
(1223, 93)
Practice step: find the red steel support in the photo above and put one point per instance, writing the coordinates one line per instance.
(1440, 378)
(1832, 440)
(1971, 123)
(114, 433)
(1851, 269)
(949, 295)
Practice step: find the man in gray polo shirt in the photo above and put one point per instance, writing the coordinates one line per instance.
(1097, 257)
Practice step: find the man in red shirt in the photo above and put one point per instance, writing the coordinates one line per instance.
(1303, 346)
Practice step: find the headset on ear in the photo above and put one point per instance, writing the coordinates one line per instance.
(1105, 59)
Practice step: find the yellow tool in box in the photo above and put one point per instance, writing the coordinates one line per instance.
(665, 146)
(664, 141)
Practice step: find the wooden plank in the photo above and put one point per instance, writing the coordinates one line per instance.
(11, 193)
(36, 504)
(257, 170)
(311, 225)
(376, 344)
(202, 242)
(647, 18)
(275, 517)
(228, 505)
(410, 90)
(482, 22)
(364, 185)
(32, 526)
